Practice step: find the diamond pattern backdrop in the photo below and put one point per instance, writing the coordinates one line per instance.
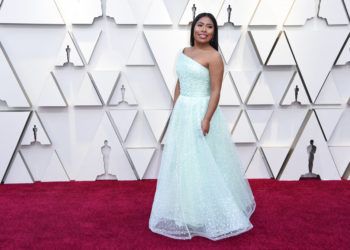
(86, 87)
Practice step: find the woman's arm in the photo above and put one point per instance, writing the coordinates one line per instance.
(216, 71)
(176, 92)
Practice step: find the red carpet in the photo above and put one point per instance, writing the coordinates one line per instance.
(114, 215)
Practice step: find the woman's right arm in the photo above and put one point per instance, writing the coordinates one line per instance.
(177, 91)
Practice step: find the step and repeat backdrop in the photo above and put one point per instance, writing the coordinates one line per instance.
(86, 86)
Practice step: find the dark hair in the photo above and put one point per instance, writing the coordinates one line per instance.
(214, 41)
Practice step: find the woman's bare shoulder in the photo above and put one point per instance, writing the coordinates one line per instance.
(215, 56)
(185, 49)
(214, 53)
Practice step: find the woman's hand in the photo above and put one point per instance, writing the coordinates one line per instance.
(205, 126)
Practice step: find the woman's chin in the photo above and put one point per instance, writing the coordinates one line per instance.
(202, 41)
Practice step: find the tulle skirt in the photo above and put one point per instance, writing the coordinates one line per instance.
(201, 189)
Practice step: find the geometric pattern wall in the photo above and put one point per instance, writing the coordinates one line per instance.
(86, 87)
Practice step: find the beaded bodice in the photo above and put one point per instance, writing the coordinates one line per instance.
(193, 77)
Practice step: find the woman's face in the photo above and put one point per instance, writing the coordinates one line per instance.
(203, 30)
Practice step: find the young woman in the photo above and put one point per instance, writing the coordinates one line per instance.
(201, 189)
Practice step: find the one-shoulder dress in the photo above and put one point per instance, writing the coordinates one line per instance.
(201, 189)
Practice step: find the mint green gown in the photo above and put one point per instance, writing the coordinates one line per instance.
(201, 189)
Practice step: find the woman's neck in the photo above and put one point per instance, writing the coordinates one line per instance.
(201, 46)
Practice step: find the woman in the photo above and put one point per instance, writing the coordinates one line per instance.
(201, 190)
